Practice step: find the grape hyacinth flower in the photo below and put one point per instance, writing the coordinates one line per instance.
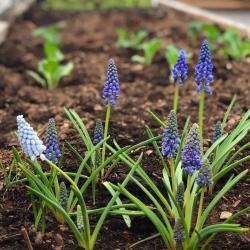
(29, 140)
(204, 69)
(171, 140)
(98, 132)
(63, 198)
(53, 152)
(111, 88)
(98, 158)
(180, 194)
(180, 69)
(79, 218)
(179, 236)
(217, 131)
(205, 175)
(191, 154)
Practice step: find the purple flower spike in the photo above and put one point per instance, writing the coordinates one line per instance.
(191, 154)
(204, 69)
(217, 131)
(205, 175)
(98, 132)
(53, 151)
(180, 69)
(171, 140)
(111, 88)
(29, 140)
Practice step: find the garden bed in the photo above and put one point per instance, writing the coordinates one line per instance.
(89, 41)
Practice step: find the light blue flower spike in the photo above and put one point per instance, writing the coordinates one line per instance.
(29, 140)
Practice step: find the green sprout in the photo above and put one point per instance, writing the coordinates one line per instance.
(126, 39)
(235, 47)
(150, 48)
(50, 69)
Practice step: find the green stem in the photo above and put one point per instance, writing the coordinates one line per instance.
(187, 199)
(201, 111)
(176, 97)
(106, 133)
(197, 226)
(172, 170)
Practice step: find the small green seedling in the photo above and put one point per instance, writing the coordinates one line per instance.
(235, 47)
(210, 31)
(50, 33)
(150, 49)
(50, 69)
(130, 40)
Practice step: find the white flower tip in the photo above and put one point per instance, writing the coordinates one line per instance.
(43, 157)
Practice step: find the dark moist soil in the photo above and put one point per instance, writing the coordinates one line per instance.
(89, 41)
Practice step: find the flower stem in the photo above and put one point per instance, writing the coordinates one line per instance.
(200, 208)
(201, 111)
(106, 128)
(187, 201)
(172, 169)
(176, 97)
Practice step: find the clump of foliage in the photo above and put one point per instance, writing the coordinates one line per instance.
(235, 47)
(126, 39)
(229, 42)
(50, 69)
(150, 48)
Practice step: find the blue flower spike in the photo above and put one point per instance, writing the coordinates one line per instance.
(191, 153)
(111, 88)
(217, 131)
(204, 69)
(180, 69)
(29, 140)
(179, 236)
(180, 194)
(53, 151)
(98, 132)
(171, 140)
(205, 176)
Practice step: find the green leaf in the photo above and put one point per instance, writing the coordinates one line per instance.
(52, 52)
(138, 59)
(118, 201)
(50, 33)
(222, 192)
(36, 77)
(171, 54)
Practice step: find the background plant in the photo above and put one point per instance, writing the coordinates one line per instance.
(130, 40)
(50, 69)
(228, 42)
(150, 48)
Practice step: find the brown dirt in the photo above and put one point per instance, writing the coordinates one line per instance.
(89, 41)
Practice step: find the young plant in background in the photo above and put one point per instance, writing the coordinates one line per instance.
(179, 74)
(50, 69)
(234, 46)
(203, 77)
(50, 33)
(150, 48)
(130, 40)
(110, 93)
(210, 31)
(171, 54)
